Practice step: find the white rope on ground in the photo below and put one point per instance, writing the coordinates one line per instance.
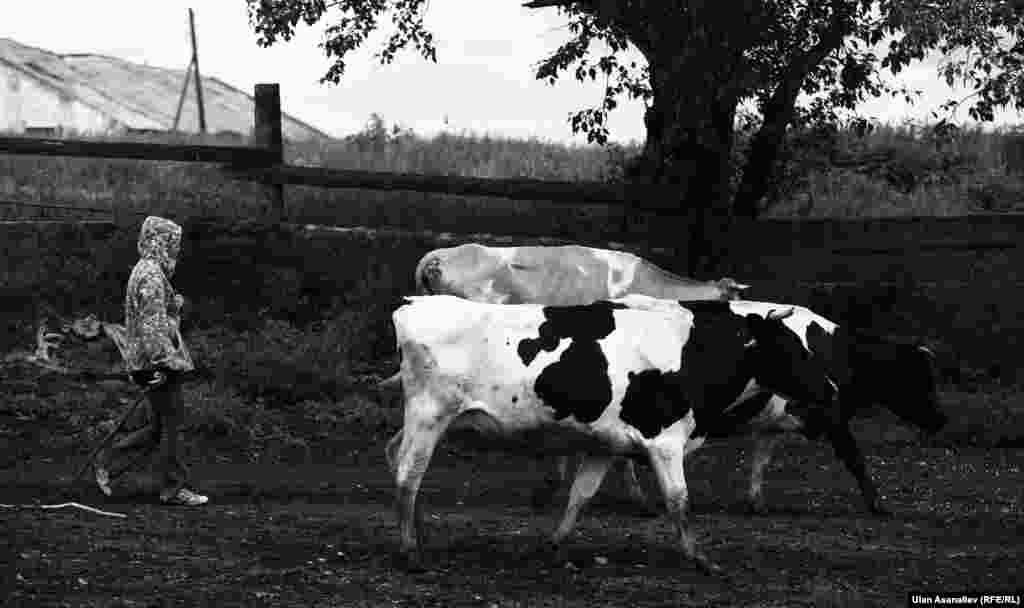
(65, 504)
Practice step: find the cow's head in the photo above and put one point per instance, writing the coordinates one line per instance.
(912, 395)
(781, 363)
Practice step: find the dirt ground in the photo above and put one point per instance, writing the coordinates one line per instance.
(324, 535)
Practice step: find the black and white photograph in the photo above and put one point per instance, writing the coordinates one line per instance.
(511, 303)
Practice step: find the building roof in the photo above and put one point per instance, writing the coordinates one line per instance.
(142, 96)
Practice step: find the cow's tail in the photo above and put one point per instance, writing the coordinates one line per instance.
(394, 381)
(428, 275)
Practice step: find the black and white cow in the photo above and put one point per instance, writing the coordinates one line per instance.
(866, 369)
(604, 379)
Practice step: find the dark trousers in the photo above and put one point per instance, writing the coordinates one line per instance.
(160, 435)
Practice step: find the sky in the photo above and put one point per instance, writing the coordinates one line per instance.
(482, 82)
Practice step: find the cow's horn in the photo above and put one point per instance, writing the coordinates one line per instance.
(926, 350)
(732, 284)
(774, 315)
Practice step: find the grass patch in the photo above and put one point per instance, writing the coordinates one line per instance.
(280, 364)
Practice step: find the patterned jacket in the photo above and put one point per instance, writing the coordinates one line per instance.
(151, 337)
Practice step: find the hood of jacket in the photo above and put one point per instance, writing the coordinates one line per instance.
(160, 241)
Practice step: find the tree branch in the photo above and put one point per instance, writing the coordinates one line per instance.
(633, 20)
(778, 113)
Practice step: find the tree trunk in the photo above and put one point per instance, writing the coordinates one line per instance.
(689, 148)
(698, 71)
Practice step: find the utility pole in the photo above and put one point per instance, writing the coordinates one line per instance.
(181, 98)
(195, 65)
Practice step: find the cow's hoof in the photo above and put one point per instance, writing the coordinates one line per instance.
(707, 566)
(409, 561)
(879, 510)
(755, 507)
(554, 552)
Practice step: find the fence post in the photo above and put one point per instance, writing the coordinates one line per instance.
(267, 134)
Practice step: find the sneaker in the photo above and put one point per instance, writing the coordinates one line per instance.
(185, 497)
(103, 480)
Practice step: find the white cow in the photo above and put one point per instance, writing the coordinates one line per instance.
(563, 275)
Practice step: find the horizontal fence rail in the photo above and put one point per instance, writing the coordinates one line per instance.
(636, 196)
(234, 155)
(77, 208)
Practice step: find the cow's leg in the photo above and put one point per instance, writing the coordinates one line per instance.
(633, 487)
(847, 450)
(667, 452)
(554, 477)
(425, 423)
(760, 456)
(391, 451)
(588, 480)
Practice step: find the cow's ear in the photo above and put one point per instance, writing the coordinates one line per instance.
(629, 375)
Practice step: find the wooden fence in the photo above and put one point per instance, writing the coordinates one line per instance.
(263, 161)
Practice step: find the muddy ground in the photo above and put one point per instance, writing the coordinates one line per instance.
(324, 534)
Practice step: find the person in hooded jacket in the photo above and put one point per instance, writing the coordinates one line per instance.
(156, 359)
